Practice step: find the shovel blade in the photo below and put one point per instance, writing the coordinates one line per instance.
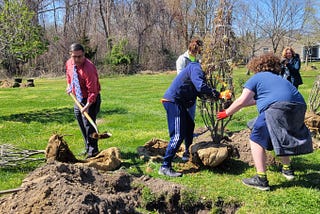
(101, 136)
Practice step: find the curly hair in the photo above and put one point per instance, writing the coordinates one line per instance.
(284, 52)
(265, 63)
(195, 46)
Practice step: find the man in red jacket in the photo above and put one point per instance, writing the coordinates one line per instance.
(83, 81)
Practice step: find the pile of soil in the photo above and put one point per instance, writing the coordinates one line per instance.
(238, 146)
(71, 188)
(238, 143)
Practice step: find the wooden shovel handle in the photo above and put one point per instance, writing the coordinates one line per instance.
(85, 113)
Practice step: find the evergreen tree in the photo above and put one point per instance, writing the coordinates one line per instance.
(21, 39)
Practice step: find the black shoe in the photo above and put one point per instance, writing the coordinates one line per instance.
(288, 174)
(196, 134)
(257, 182)
(169, 172)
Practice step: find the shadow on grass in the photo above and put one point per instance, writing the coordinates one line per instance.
(231, 166)
(61, 115)
(113, 111)
(310, 177)
(132, 162)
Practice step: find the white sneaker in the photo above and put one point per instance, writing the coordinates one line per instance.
(169, 172)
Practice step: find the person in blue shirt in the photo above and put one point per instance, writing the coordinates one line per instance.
(280, 123)
(182, 62)
(179, 97)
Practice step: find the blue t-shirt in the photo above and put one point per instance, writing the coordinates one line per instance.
(270, 88)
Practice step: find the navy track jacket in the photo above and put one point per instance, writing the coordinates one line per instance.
(189, 84)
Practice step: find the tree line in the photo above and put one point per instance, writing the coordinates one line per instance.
(127, 36)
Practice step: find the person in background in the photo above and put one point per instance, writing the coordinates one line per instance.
(291, 64)
(182, 61)
(189, 56)
(280, 124)
(83, 82)
(179, 97)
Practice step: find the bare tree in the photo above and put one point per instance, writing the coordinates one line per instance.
(246, 26)
(278, 18)
(105, 8)
(204, 12)
(217, 59)
(157, 31)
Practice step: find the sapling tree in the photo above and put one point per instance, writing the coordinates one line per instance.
(217, 65)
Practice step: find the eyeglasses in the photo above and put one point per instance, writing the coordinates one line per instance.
(77, 56)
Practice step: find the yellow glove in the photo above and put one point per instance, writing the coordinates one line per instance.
(225, 95)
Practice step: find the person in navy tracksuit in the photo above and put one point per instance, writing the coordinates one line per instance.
(183, 60)
(180, 96)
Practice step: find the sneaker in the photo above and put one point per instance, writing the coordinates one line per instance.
(257, 182)
(196, 134)
(185, 157)
(288, 174)
(169, 172)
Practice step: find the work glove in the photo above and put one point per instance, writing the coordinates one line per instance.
(221, 115)
(215, 94)
(226, 95)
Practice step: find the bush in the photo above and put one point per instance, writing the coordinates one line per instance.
(120, 59)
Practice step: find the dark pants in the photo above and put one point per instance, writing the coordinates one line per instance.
(181, 127)
(86, 128)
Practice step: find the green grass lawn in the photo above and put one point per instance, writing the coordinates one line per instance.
(131, 110)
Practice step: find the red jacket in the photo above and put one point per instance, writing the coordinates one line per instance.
(88, 79)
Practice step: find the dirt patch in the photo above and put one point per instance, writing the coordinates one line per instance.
(240, 148)
(238, 144)
(58, 150)
(68, 185)
(72, 188)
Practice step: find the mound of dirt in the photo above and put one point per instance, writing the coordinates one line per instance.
(238, 145)
(58, 150)
(72, 188)
(241, 150)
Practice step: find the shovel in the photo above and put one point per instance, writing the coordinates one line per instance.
(95, 135)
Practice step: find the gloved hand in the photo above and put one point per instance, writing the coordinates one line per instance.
(221, 115)
(225, 95)
(215, 94)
